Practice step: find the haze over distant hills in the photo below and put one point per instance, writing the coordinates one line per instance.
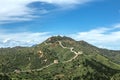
(59, 58)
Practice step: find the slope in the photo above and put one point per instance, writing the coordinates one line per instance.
(57, 58)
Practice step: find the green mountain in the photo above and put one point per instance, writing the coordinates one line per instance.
(59, 58)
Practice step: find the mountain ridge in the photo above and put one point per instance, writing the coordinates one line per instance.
(63, 54)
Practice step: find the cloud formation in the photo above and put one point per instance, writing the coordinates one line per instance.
(17, 10)
(102, 37)
(22, 39)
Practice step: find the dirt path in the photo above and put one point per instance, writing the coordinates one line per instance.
(38, 69)
(71, 49)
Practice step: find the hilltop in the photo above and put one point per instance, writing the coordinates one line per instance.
(59, 58)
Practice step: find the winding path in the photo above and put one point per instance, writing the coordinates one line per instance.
(37, 69)
(71, 49)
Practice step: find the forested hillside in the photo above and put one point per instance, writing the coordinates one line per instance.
(59, 58)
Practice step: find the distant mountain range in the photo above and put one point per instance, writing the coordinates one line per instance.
(12, 43)
(59, 58)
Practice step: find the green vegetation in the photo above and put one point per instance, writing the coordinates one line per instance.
(48, 61)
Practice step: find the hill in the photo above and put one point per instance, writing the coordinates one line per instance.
(59, 58)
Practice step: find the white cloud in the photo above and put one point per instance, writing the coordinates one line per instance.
(117, 26)
(101, 37)
(17, 10)
(22, 39)
(104, 37)
(64, 2)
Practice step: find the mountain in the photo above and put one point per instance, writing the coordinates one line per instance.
(12, 43)
(59, 58)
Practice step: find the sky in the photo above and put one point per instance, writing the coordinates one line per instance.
(29, 22)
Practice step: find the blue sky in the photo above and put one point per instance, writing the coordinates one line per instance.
(28, 22)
